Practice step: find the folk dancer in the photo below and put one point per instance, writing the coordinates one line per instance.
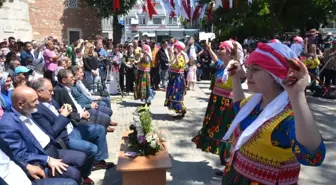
(143, 88)
(268, 134)
(176, 82)
(215, 124)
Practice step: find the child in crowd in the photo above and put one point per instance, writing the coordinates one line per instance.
(79, 57)
(191, 77)
(62, 64)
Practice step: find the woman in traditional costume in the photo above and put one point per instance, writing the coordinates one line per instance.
(176, 83)
(269, 131)
(143, 86)
(215, 124)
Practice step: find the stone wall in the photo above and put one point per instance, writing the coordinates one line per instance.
(54, 18)
(14, 20)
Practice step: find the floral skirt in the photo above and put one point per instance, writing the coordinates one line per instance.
(232, 177)
(143, 89)
(217, 120)
(175, 92)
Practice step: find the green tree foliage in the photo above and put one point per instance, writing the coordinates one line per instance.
(105, 7)
(105, 10)
(267, 17)
(3, 1)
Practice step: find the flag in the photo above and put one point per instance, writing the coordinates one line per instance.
(210, 12)
(167, 7)
(225, 4)
(196, 12)
(151, 10)
(204, 8)
(184, 10)
(116, 5)
(218, 4)
(172, 13)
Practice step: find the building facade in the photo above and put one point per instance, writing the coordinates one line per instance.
(162, 26)
(67, 20)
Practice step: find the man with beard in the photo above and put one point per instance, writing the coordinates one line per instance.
(30, 144)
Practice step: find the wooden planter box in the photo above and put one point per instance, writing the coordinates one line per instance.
(143, 170)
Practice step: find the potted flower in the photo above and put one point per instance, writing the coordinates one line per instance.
(145, 138)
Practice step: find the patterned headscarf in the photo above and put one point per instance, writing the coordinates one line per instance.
(271, 57)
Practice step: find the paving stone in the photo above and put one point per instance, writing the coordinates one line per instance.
(192, 166)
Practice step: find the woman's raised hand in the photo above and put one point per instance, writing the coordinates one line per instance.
(297, 79)
(235, 69)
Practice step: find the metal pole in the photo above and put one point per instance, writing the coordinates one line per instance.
(125, 29)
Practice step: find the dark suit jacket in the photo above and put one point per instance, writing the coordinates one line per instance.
(83, 100)
(163, 58)
(21, 141)
(52, 124)
(62, 97)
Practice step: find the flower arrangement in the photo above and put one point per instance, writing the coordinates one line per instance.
(145, 138)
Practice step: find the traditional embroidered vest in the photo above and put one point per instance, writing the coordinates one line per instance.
(144, 66)
(223, 89)
(260, 161)
(179, 65)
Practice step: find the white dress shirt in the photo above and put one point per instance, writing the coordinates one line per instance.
(40, 136)
(69, 126)
(192, 52)
(86, 91)
(167, 53)
(11, 173)
(78, 107)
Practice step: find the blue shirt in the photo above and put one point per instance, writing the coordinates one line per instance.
(24, 55)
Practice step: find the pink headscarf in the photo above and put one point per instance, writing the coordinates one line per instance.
(179, 45)
(298, 39)
(146, 48)
(228, 45)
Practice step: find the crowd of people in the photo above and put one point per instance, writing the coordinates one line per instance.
(56, 107)
(53, 127)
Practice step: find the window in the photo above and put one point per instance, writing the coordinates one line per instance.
(73, 34)
(142, 21)
(172, 20)
(72, 3)
(157, 20)
(127, 21)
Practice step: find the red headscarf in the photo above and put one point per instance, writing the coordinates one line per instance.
(272, 57)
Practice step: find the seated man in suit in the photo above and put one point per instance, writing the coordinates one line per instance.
(88, 138)
(102, 100)
(29, 143)
(92, 106)
(62, 95)
(16, 172)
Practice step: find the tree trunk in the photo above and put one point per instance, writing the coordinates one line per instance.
(117, 31)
